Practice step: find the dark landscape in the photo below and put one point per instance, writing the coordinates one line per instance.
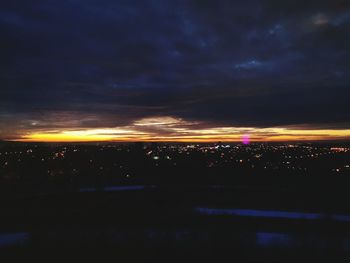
(196, 200)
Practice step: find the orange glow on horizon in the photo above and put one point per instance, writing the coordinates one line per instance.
(205, 135)
(171, 129)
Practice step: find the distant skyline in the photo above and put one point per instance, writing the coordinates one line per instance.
(177, 70)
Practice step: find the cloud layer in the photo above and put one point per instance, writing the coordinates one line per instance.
(73, 65)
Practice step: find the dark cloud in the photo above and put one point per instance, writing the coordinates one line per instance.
(109, 63)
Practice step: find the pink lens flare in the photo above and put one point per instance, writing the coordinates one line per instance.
(245, 139)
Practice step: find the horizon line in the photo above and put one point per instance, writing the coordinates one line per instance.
(176, 141)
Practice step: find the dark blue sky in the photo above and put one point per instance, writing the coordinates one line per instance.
(87, 64)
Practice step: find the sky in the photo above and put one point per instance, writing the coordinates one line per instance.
(176, 70)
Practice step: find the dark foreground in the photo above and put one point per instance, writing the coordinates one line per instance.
(176, 202)
(171, 223)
